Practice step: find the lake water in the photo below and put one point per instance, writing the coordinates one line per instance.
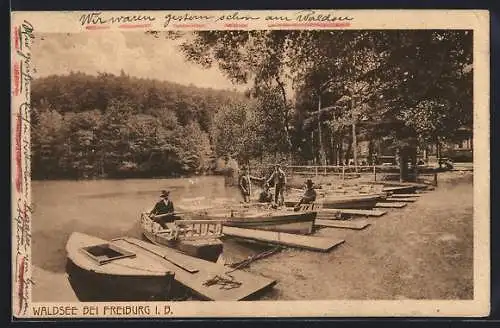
(422, 251)
(111, 208)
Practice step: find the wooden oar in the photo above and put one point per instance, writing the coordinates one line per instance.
(160, 216)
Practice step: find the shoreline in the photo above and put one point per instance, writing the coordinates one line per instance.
(424, 251)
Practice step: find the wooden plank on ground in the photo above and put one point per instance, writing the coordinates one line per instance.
(400, 190)
(250, 283)
(174, 257)
(405, 195)
(403, 200)
(390, 205)
(352, 211)
(320, 244)
(345, 224)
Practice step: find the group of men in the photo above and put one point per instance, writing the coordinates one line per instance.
(163, 211)
(278, 180)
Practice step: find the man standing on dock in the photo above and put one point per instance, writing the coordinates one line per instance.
(245, 185)
(279, 179)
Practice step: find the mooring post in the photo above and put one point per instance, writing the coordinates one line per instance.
(435, 179)
(374, 173)
(343, 172)
(316, 169)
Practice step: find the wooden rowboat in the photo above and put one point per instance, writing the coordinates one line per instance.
(280, 220)
(402, 187)
(149, 268)
(194, 238)
(354, 201)
(359, 201)
(117, 270)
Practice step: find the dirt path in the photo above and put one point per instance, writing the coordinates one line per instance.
(423, 251)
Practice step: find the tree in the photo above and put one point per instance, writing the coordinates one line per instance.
(123, 126)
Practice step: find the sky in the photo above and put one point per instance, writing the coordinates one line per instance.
(137, 53)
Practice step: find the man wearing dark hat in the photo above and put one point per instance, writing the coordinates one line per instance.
(278, 177)
(309, 195)
(164, 209)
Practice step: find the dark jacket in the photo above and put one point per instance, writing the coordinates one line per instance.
(163, 207)
(278, 177)
(309, 196)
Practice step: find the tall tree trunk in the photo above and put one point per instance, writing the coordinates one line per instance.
(438, 148)
(438, 151)
(414, 164)
(370, 152)
(286, 119)
(347, 154)
(332, 148)
(354, 147)
(340, 156)
(322, 157)
(403, 164)
(313, 156)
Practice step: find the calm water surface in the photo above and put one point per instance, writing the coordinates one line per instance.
(109, 209)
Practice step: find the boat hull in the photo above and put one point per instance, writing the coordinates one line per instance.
(296, 223)
(362, 202)
(302, 228)
(207, 248)
(92, 286)
(136, 276)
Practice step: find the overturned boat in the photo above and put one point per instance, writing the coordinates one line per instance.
(117, 270)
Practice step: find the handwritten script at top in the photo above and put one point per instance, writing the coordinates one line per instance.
(22, 213)
(303, 16)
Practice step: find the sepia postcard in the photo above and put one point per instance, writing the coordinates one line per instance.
(299, 163)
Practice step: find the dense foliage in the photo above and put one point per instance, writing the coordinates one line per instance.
(113, 126)
(411, 87)
(311, 95)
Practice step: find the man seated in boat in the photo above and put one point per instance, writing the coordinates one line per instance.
(266, 196)
(309, 195)
(278, 177)
(163, 212)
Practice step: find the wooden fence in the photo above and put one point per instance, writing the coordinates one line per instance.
(373, 172)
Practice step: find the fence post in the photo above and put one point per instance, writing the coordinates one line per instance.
(374, 173)
(435, 179)
(343, 172)
(316, 169)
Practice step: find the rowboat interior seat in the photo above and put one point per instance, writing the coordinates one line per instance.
(105, 253)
